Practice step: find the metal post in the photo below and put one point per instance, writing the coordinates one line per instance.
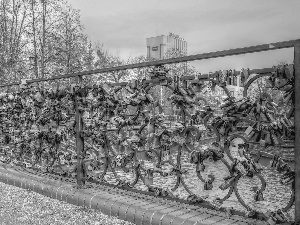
(79, 141)
(297, 130)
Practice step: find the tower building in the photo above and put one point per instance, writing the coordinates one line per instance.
(157, 47)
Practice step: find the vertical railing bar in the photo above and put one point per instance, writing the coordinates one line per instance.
(79, 139)
(297, 130)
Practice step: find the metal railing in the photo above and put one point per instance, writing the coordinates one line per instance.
(140, 150)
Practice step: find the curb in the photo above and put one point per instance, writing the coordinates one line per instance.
(140, 211)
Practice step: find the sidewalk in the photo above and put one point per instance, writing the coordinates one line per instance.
(120, 203)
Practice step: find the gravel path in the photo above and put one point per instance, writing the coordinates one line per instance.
(21, 207)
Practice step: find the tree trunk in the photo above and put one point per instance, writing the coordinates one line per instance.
(44, 38)
(34, 40)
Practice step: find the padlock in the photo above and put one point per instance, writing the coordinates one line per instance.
(280, 216)
(270, 117)
(274, 161)
(288, 178)
(201, 167)
(287, 121)
(268, 140)
(227, 183)
(241, 151)
(228, 212)
(210, 156)
(289, 71)
(248, 130)
(216, 203)
(271, 221)
(194, 157)
(274, 138)
(157, 192)
(283, 124)
(263, 117)
(288, 88)
(194, 199)
(288, 97)
(258, 196)
(208, 185)
(248, 167)
(241, 169)
(222, 130)
(262, 143)
(149, 177)
(257, 167)
(282, 167)
(253, 136)
(258, 108)
(245, 73)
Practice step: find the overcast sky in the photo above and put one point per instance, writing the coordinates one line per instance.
(207, 25)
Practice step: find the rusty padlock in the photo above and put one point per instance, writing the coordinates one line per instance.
(149, 177)
(227, 183)
(208, 186)
(274, 161)
(288, 178)
(258, 196)
(201, 167)
(194, 157)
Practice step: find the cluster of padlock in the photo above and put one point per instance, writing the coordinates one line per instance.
(277, 217)
(262, 131)
(36, 122)
(165, 138)
(266, 128)
(288, 175)
(182, 97)
(213, 153)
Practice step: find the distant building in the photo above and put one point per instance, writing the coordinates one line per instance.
(158, 46)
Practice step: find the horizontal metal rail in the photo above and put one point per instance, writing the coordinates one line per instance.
(217, 54)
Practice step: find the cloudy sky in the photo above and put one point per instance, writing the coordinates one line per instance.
(207, 25)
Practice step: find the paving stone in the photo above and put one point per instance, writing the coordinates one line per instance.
(185, 218)
(62, 193)
(94, 202)
(18, 182)
(123, 209)
(11, 181)
(149, 214)
(110, 202)
(81, 199)
(39, 189)
(58, 193)
(169, 217)
(116, 206)
(212, 220)
(240, 223)
(131, 211)
(200, 217)
(140, 211)
(158, 216)
(73, 197)
(178, 221)
(225, 222)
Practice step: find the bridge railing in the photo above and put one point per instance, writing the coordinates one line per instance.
(117, 133)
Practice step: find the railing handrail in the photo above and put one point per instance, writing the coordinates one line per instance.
(230, 52)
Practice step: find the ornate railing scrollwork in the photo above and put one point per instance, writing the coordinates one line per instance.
(129, 143)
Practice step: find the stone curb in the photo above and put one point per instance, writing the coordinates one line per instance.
(138, 211)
